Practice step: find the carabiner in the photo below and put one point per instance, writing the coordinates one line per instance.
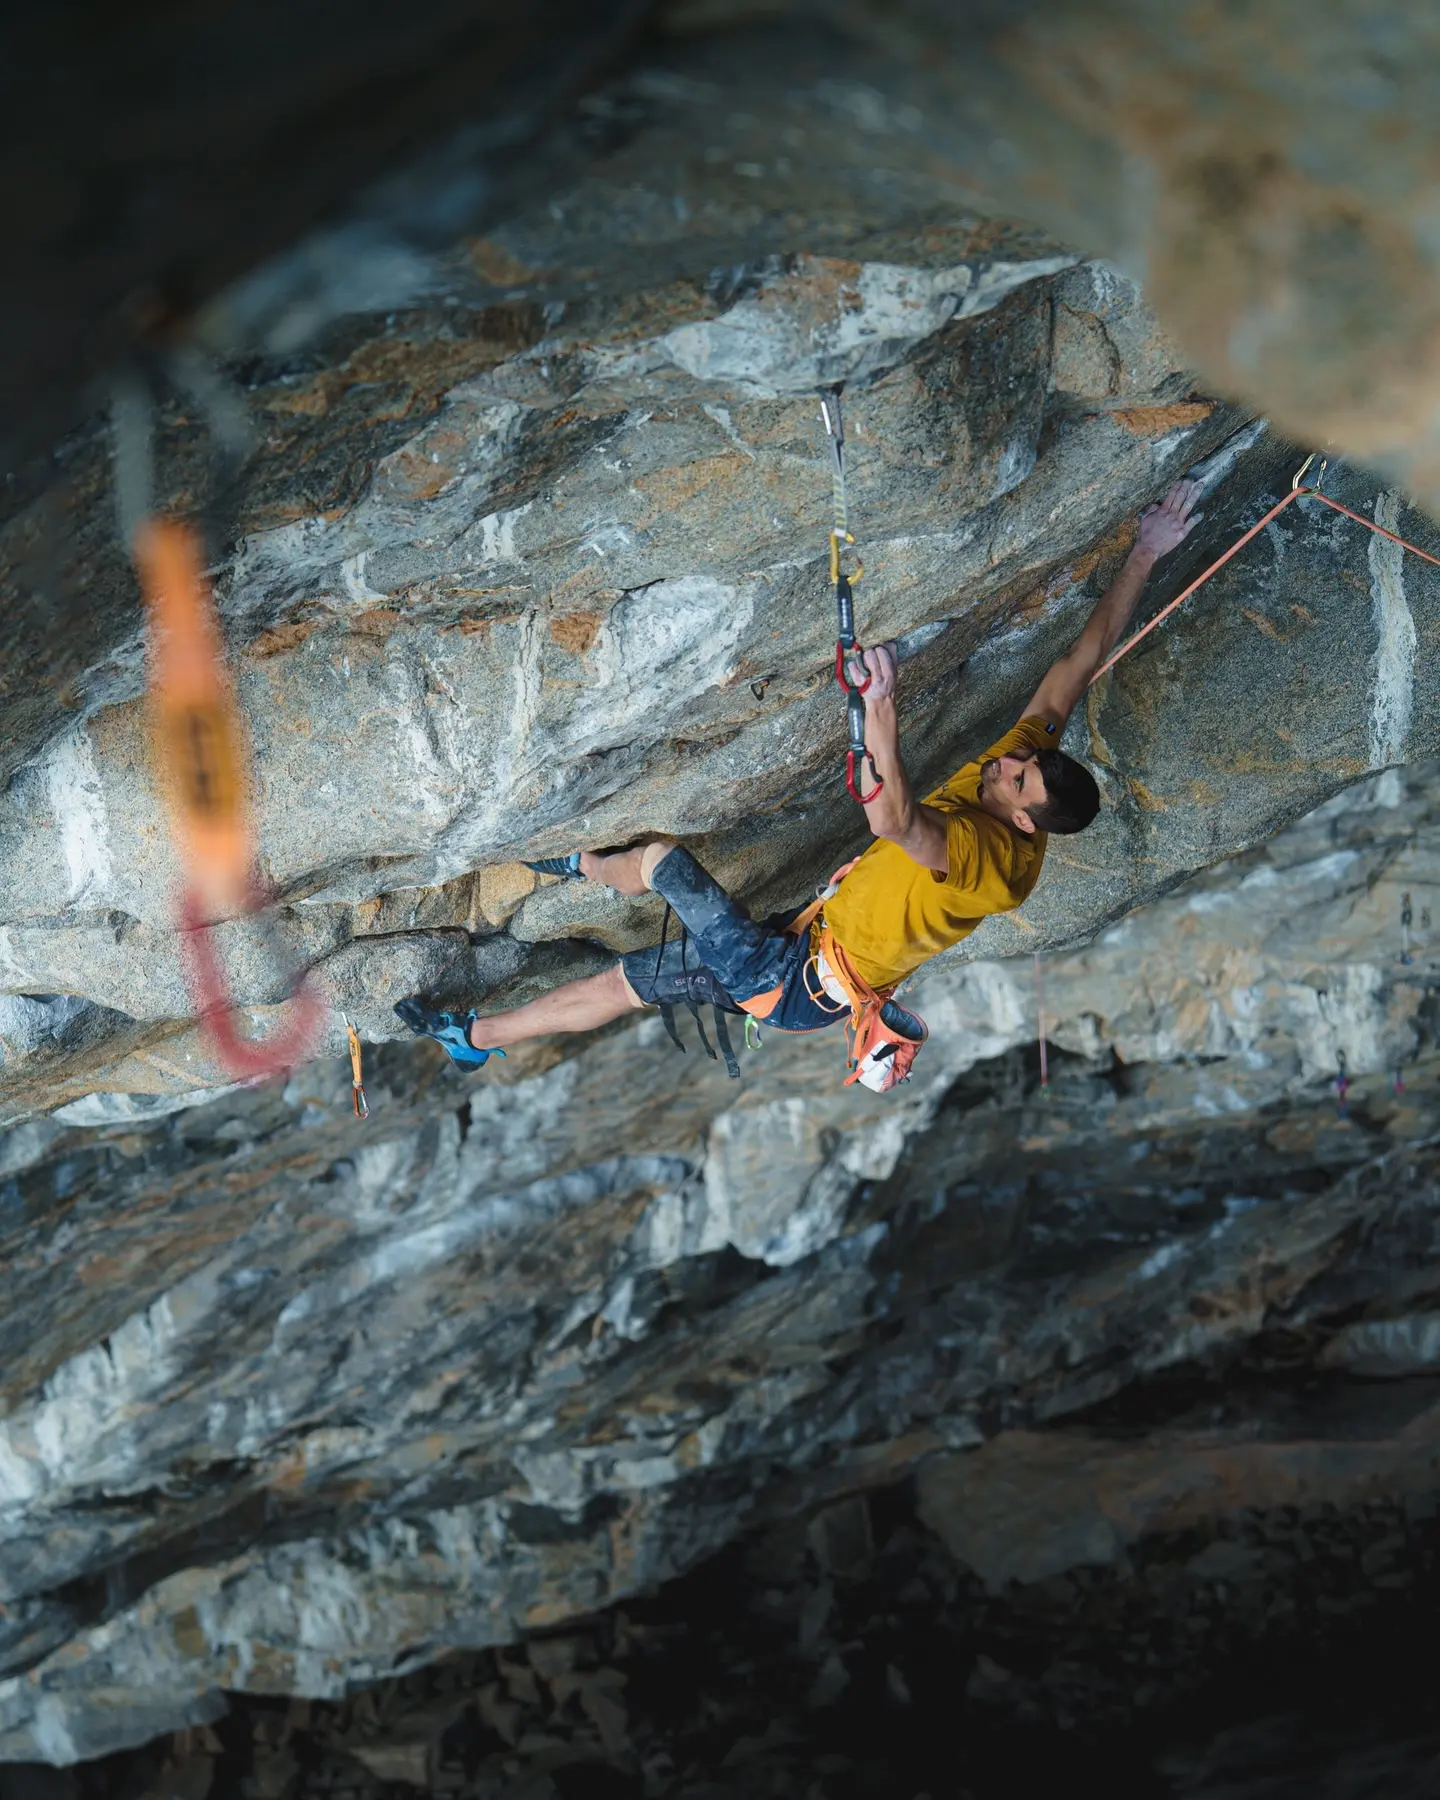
(357, 1073)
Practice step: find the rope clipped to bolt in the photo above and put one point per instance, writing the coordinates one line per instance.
(1298, 491)
(847, 645)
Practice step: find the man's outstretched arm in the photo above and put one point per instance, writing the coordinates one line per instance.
(895, 813)
(1162, 527)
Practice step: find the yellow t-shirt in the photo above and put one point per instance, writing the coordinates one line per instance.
(891, 914)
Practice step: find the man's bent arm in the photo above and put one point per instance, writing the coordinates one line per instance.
(1162, 527)
(894, 813)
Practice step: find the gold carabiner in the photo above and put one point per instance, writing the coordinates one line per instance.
(836, 539)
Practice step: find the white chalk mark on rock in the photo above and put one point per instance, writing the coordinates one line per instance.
(78, 803)
(1393, 695)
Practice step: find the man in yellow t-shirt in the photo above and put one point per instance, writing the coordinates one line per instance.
(937, 868)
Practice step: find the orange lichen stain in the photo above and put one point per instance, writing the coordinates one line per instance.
(670, 489)
(1155, 421)
(1283, 735)
(1203, 794)
(380, 621)
(576, 632)
(417, 477)
(1262, 624)
(1109, 549)
(1303, 612)
(308, 402)
(280, 638)
(1143, 798)
(476, 627)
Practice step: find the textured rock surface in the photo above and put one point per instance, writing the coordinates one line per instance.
(530, 554)
(1269, 173)
(585, 600)
(289, 1407)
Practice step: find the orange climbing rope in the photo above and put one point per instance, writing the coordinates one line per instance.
(1297, 492)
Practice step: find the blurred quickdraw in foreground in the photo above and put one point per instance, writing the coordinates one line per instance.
(357, 1072)
(201, 756)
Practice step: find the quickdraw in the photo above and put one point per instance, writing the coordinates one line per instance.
(200, 754)
(847, 646)
(357, 1073)
(1040, 1031)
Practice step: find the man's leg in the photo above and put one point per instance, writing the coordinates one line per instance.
(577, 1006)
(629, 872)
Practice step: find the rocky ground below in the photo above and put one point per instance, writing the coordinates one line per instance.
(847, 1655)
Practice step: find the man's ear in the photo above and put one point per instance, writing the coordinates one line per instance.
(1023, 822)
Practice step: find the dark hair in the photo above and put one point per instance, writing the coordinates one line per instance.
(1071, 796)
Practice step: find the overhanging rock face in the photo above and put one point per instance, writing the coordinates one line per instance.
(291, 1405)
(586, 599)
(533, 556)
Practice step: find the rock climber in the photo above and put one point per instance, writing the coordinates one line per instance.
(937, 867)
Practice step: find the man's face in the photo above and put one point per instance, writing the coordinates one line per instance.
(1010, 785)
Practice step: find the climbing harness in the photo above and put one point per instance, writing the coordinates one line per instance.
(693, 988)
(357, 1073)
(1040, 1031)
(847, 646)
(1298, 491)
(882, 1038)
(200, 754)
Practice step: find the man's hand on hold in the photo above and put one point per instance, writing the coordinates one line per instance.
(1166, 525)
(881, 666)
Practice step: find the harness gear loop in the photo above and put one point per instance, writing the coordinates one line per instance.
(847, 645)
(357, 1077)
(691, 990)
(201, 757)
(879, 1051)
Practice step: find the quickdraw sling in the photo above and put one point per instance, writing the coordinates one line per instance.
(847, 645)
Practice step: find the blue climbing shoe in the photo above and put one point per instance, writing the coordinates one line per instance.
(451, 1031)
(566, 867)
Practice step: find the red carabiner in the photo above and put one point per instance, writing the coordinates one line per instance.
(852, 786)
(850, 687)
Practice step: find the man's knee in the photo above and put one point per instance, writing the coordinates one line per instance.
(652, 854)
(621, 982)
